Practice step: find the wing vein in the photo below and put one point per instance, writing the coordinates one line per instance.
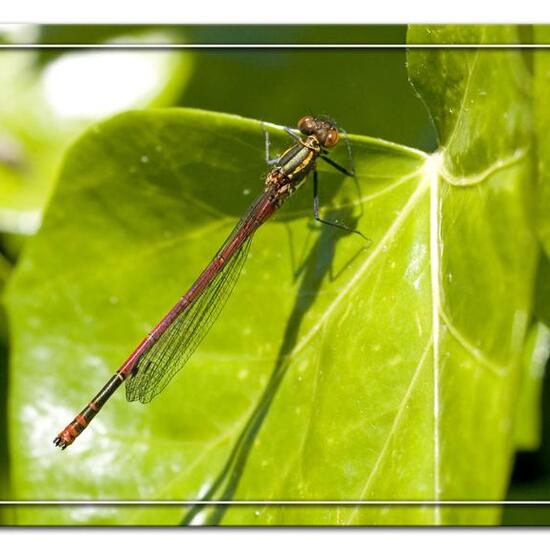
(173, 348)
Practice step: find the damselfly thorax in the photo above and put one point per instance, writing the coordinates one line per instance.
(292, 168)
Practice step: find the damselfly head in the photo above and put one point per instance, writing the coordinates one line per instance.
(324, 130)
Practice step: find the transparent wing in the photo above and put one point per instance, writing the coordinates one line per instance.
(156, 367)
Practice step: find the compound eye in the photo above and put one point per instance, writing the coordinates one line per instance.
(332, 137)
(307, 125)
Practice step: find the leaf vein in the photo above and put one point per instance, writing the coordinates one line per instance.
(394, 426)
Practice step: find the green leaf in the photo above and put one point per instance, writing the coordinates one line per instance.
(542, 291)
(43, 109)
(155, 194)
(5, 517)
(537, 352)
(542, 120)
(480, 103)
(354, 319)
(335, 372)
(30, 143)
(479, 100)
(350, 85)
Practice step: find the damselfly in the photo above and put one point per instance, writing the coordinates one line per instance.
(164, 351)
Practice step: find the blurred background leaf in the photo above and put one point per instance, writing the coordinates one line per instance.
(542, 120)
(5, 494)
(542, 291)
(44, 106)
(528, 430)
(265, 84)
(531, 476)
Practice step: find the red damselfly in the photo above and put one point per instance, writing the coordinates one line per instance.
(164, 351)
